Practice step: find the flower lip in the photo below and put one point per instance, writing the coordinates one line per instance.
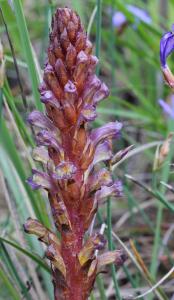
(47, 138)
(40, 154)
(38, 119)
(39, 180)
(88, 113)
(109, 130)
(114, 190)
(70, 87)
(32, 184)
(47, 97)
(166, 46)
(64, 170)
(103, 152)
(102, 93)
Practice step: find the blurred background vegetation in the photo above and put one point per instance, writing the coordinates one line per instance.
(142, 221)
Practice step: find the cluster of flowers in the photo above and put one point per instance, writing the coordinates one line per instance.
(71, 154)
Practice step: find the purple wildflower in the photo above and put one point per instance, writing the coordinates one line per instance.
(119, 19)
(168, 108)
(166, 48)
(69, 150)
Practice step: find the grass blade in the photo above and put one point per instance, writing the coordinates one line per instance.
(35, 258)
(27, 48)
(9, 285)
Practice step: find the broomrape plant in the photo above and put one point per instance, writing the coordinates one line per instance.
(70, 152)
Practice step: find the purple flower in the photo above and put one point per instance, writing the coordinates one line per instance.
(46, 138)
(103, 152)
(88, 113)
(38, 119)
(47, 97)
(64, 170)
(99, 179)
(119, 19)
(70, 91)
(101, 94)
(106, 191)
(91, 88)
(168, 108)
(109, 130)
(40, 154)
(139, 13)
(69, 150)
(166, 47)
(39, 180)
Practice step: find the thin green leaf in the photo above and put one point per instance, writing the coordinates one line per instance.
(35, 258)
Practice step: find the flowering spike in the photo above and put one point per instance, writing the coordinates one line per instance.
(70, 150)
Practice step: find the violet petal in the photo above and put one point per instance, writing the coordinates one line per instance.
(40, 154)
(39, 180)
(166, 47)
(106, 191)
(47, 138)
(103, 152)
(64, 170)
(101, 94)
(106, 131)
(101, 178)
(38, 119)
(47, 97)
(92, 86)
(167, 109)
(88, 113)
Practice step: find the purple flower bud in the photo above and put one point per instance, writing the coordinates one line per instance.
(70, 91)
(103, 153)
